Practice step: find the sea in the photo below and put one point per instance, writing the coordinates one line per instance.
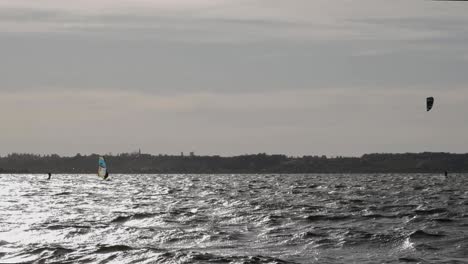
(258, 218)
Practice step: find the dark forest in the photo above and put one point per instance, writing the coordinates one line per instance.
(257, 163)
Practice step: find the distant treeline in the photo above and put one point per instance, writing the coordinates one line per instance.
(258, 163)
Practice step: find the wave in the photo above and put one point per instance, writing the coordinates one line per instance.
(377, 215)
(58, 227)
(322, 217)
(137, 216)
(443, 220)
(42, 254)
(420, 234)
(114, 248)
(410, 260)
(430, 211)
(56, 250)
(200, 257)
(62, 193)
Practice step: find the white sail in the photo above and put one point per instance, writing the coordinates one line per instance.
(102, 169)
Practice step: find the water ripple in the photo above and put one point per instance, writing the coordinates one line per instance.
(316, 218)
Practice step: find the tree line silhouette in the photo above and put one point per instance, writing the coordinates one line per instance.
(427, 162)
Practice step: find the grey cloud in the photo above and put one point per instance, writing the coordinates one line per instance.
(138, 18)
(34, 15)
(71, 61)
(419, 23)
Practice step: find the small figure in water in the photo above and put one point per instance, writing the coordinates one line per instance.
(107, 175)
(446, 173)
(50, 175)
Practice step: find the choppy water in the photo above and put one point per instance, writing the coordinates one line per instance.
(387, 218)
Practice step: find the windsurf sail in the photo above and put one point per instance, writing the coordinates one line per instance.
(429, 103)
(102, 169)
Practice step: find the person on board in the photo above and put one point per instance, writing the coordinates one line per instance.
(107, 175)
(50, 175)
(446, 173)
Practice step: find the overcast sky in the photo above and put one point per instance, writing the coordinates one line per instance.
(228, 77)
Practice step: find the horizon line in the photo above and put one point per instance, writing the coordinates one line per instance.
(193, 154)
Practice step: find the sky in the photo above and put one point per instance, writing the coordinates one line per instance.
(230, 77)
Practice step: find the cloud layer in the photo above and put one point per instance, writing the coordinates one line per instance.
(232, 77)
